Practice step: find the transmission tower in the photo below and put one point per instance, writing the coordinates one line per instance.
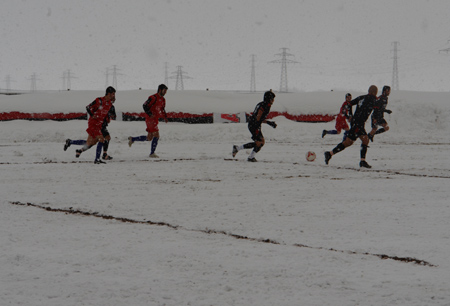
(253, 75)
(33, 78)
(8, 83)
(166, 74)
(395, 68)
(115, 73)
(284, 61)
(180, 75)
(67, 76)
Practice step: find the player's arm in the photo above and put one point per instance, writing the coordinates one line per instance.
(147, 105)
(165, 115)
(259, 115)
(92, 107)
(356, 100)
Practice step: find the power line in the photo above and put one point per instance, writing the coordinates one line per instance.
(284, 61)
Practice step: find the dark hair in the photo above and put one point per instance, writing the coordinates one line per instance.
(348, 95)
(110, 89)
(386, 88)
(161, 87)
(269, 95)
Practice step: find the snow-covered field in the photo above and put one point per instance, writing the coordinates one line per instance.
(197, 227)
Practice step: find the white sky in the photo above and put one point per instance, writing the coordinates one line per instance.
(338, 44)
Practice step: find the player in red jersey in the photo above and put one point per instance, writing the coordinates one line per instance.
(100, 109)
(155, 108)
(345, 114)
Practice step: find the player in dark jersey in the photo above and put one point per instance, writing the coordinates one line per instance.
(364, 107)
(345, 114)
(378, 113)
(258, 117)
(104, 130)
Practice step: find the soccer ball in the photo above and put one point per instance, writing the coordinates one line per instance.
(310, 156)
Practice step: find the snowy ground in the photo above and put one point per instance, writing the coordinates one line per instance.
(196, 227)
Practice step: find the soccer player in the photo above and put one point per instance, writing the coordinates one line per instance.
(364, 107)
(345, 114)
(155, 108)
(258, 117)
(100, 109)
(104, 130)
(378, 113)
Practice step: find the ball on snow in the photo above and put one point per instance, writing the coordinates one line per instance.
(310, 156)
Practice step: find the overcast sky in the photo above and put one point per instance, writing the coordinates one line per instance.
(338, 44)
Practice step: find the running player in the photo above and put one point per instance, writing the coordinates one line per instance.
(364, 107)
(254, 126)
(378, 113)
(100, 109)
(155, 108)
(345, 114)
(104, 130)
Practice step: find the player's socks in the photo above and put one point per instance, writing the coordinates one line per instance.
(139, 138)
(334, 132)
(98, 152)
(154, 145)
(252, 155)
(248, 145)
(379, 131)
(105, 145)
(78, 142)
(340, 147)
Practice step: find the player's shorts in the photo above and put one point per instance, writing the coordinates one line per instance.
(341, 124)
(380, 121)
(105, 132)
(94, 129)
(256, 133)
(355, 132)
(152, 124)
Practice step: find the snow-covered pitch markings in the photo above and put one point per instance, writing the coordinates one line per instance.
(212, 231)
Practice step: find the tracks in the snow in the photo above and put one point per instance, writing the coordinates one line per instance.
(383, 171)
(71, 211)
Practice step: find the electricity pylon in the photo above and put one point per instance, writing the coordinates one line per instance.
(180, 75)
(67, 77)
(33, 78)
(284, 61)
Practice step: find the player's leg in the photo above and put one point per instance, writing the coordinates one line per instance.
(385, 128)
(70, 142)
(154, 138)
(374, 129)
(259, 143)
(364, 145)
(105, 146)
(347, 142)
(90, 142)
(100, 139)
